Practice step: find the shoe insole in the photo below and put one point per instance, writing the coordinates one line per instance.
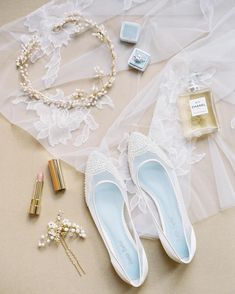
(109, 208)
(155, 181)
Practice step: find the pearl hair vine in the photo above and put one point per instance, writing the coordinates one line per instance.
(79, 98)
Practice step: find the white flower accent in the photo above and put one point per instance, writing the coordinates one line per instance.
(58, 125)
(41, 23)
(138, 201)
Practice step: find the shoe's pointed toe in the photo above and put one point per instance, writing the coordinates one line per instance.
(96, 163)
(137, 142)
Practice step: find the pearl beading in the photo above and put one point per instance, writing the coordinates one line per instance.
(57, 232)
(61, 228)
(79, 98)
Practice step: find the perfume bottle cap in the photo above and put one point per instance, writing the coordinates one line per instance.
(56, 175)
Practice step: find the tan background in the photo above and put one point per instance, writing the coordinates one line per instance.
(24, 269)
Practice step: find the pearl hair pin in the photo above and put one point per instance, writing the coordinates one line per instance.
(79, 98)
(57, 231)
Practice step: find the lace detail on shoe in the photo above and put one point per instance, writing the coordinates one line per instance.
(137, 201)
(137, 144)
(96, 164)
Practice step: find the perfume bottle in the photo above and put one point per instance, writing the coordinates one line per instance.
(197, 110)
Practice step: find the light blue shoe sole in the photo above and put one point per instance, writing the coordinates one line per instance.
(109, 205)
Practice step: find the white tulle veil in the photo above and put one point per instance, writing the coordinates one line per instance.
(182, 37)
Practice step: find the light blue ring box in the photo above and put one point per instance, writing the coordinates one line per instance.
(139, 59)
(130, 32)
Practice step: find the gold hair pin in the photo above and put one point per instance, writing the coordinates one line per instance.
(57, 231)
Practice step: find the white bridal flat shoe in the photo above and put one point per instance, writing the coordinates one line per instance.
(154, 176)
(107, 201)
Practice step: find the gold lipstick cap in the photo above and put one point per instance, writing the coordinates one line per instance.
(56, 175)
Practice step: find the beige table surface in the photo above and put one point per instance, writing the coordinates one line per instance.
(25, 270)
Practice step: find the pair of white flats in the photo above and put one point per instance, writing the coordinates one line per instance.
(106, 198)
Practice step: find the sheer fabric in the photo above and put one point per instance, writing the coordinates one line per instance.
(66, 62)
(205, 167)
(181, 36)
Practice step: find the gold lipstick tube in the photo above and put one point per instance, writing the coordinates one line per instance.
(56, 175)
(35, 205)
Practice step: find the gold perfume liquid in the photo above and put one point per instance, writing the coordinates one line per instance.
(197, 113)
